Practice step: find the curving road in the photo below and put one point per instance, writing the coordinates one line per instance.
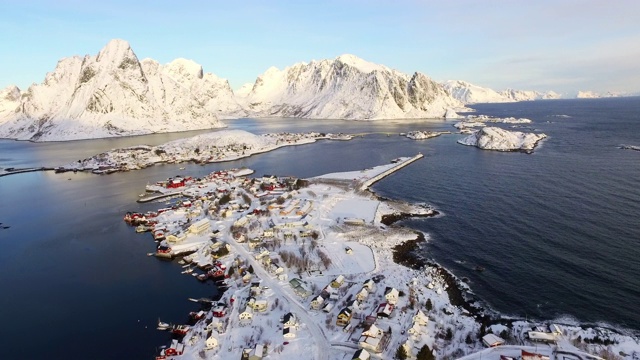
(324, 350)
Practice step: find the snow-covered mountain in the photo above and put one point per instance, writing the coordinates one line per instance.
(345, 88)
(529, 95)
(470, 94)
(114, 94)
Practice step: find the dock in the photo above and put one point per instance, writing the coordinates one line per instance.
(366, 184)
(156, 196)
(13, 171)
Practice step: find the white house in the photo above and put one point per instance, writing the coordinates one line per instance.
(491, 340)
(327, 307)
(392, 295)
(362, 295)
(420, 318)
(373, 331)
(200, 227)
(361, 354)
(415, 330)
(337, 282)
(373, 339)
(262, 254)
(246, 315)
(289, 320)
(317, 302)
(370, 285)
(354, 305)
(260, 305)
(289, 333)
(211, 343)
(408, 348)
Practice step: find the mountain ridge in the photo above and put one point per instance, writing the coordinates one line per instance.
(114, 94)
(111, 94)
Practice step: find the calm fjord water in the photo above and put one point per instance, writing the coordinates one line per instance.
(557, 231)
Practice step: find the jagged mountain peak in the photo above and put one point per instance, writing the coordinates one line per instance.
(114, 94)
(183, 68)
(360, 64)
(116, 49)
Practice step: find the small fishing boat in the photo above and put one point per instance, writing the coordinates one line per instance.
(164, 251)
(142, 228)
(180, 329)
(163, 325)
(197, 315)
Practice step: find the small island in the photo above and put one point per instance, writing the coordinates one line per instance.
(218, 146)
(494, 138)
(423, 135)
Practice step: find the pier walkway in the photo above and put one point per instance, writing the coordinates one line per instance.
(367, 183)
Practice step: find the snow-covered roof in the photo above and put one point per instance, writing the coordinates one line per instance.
(492, 340)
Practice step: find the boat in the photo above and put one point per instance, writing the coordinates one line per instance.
(163, 325)
(164, 251)
(182, 168)
(197, 315)
(142, 228)
(180, 329)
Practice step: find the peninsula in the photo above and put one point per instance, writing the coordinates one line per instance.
(314, 268)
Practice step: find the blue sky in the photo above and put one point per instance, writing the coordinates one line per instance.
(558, 45)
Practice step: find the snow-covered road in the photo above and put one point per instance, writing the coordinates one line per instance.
(323, 349)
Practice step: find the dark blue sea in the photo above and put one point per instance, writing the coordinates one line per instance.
(557, 230)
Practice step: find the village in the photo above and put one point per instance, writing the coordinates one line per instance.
(307, 268)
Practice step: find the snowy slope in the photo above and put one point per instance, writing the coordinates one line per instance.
(114, 94)
(346, 88)
(493, 138)
(587, 95)
(471, 94)
(528, 95)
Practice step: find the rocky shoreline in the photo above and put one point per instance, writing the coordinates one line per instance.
(406, 254)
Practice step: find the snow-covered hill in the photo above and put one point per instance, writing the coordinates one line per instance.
(345, 88)
(470, 94)
(114, 94)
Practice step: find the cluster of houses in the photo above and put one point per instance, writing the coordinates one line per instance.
(257, 212)
(220, 196)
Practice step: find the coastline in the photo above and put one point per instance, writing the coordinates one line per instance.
(393, 252)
